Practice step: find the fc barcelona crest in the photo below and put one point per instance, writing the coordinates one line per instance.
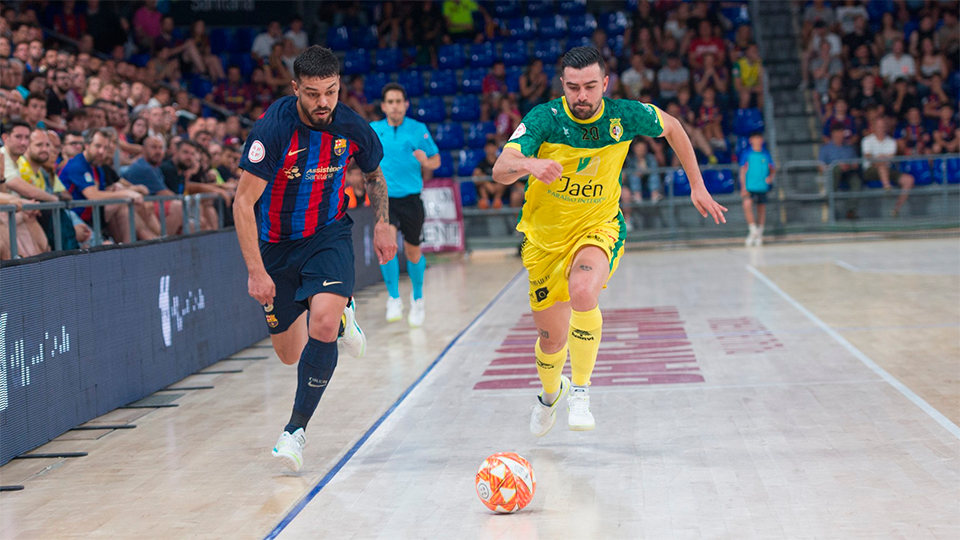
(616, 129)
(339, 146)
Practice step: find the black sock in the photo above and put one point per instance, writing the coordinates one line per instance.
(314, 371)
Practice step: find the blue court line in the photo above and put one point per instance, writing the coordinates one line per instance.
(346, 457)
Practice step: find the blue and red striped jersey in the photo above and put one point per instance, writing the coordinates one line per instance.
(304, 168)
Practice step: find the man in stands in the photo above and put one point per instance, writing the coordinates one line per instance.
(847, 173)
(879, 145)
(83, 177)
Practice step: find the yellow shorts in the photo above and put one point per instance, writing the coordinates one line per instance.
(550, 270)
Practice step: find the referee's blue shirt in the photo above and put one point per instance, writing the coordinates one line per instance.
(400, 169)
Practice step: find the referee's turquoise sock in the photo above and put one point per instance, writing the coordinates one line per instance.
(416, 276)
(391, 276)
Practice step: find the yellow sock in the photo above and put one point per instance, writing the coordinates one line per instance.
(584, 343)
(549, 367)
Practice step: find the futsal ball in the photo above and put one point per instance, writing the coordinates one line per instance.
(505, 482)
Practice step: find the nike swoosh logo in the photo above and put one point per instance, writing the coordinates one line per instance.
(293, 153)
(328, 283)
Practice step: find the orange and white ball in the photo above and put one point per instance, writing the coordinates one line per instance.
(506, 482)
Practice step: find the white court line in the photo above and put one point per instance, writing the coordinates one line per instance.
(685, 387)
(893, 381)
(858, 270)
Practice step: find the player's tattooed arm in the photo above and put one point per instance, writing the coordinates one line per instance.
(377, 191)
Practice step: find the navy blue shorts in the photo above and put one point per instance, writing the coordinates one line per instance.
(322, 263)
(759, 197)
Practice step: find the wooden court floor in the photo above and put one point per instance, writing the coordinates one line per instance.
(805, 391)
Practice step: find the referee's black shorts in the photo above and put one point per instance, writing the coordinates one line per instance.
(406, 214)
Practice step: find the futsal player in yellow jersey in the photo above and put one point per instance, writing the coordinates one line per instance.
(573, 150)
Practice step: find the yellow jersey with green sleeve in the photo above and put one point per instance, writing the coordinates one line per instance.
(591, 153)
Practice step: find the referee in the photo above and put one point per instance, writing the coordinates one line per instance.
(407, 149)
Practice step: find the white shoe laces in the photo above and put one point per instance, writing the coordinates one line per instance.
(579, 403)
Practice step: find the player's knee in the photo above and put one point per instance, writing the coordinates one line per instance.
(324, 326)
(288, 356)
(584, 292)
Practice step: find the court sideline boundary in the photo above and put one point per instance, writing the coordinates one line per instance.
(860, 355)
(302, 503)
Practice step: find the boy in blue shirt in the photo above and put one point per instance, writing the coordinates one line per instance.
(756, 177)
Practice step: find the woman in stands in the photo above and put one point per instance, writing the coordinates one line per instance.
(198, 53)
(932, 62)
(888, 34)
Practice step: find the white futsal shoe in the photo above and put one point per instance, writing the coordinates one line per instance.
(417, 312)
(352, 338)
(290, 449)
(394, 309)
(578, 405)
(543, 416)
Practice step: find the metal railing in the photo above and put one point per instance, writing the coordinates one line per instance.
(798, 184)
(192, 205)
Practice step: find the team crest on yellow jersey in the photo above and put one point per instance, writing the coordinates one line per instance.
(339, 146)
(616, 129)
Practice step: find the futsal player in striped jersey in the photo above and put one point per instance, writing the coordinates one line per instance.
(290, 214)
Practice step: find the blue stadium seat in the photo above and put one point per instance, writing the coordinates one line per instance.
(364, 37)
(579, 42)
(737, 14)
(465, 109)
(681, 184)
(615, 23)
(220, 39)
(513, 78)
(876, 9)
(573, 7)
(477, 133)
(200, 86)
(920, 169)
(515, 53)
(505, 8)
(553, 27)
(246, 63)
(356, 62)
(445, 170)
(472, 81)
(483, 54)
(412, 82)
(948, 172)
(909, 27)
(539, 8)
(468, 193)
(719, 182)
(746, 121)
(616, 44)
(443, 83)
(389, 60)
(338, 38)
(431, 110)
(581, 26)
(469, 159)
(522, 28)
(953, 84)
(243, 38)
(373, 85)
(548, 50)
(451, 57)
(449, 136)
(141, 60)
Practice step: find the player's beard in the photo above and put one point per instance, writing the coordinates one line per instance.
(318, 124)
(578, 111)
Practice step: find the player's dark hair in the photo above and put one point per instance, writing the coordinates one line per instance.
(316, 61)
(393, 86)
(581, 57)
(836, 127)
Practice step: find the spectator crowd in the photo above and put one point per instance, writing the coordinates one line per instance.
(884, 77)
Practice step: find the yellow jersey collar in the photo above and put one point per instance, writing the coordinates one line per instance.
(590, 120)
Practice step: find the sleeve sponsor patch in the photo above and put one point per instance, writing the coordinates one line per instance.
(256, 153)
(520, 131)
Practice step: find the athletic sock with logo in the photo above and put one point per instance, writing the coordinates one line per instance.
(416, 271)
(584, 342)
(549, 368)
(391, 276)
(314, 370)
